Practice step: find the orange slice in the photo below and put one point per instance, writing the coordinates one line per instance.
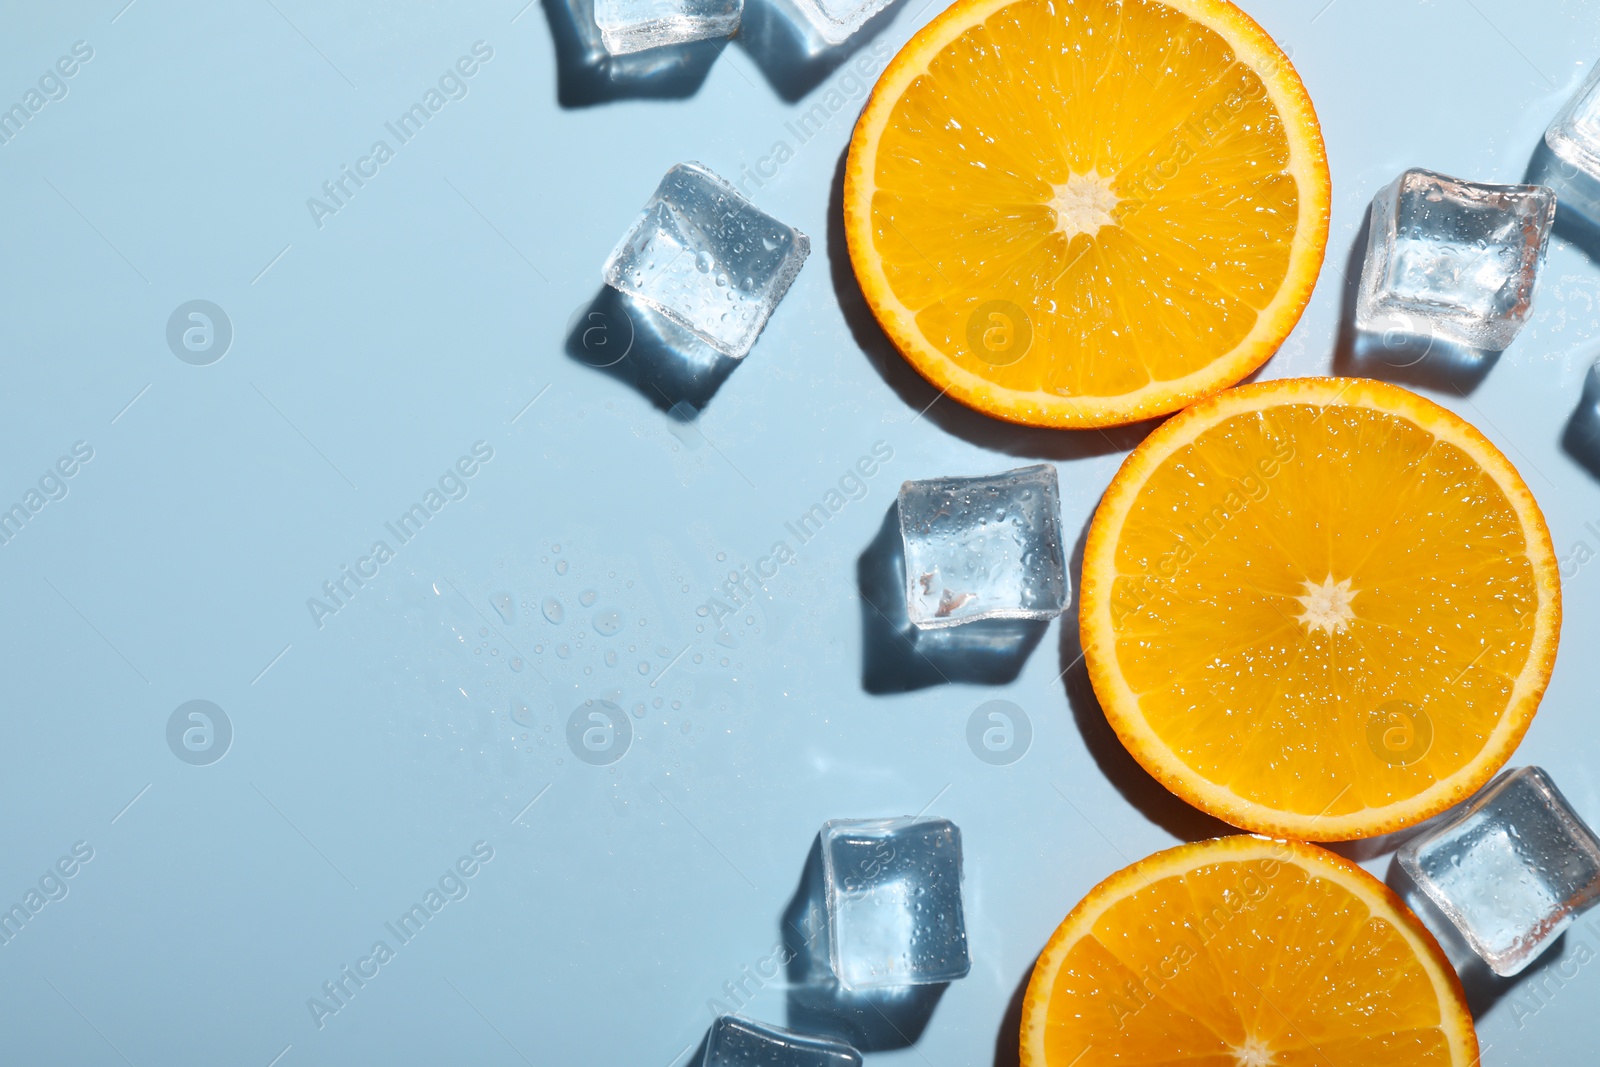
(1324, 608)
(1244, 952)
(1087, 212)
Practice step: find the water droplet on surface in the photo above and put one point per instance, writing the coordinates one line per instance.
(644, 668)
(561, 566)
(506, 606)
(516, 663)
(554, 611)
(703, 262)
(588, 597)
(608, 624)
(564, 651)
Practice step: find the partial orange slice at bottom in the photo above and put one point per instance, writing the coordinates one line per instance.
(1244, 952)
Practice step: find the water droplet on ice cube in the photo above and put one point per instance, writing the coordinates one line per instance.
(702, 221)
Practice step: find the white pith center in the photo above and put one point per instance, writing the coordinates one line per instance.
(1084, 204)
(1327, 606)
(1254, 1054)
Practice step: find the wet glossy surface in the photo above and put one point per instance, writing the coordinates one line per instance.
(371, 752)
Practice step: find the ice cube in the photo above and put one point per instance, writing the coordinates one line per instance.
(836, 21)
(628, 26)
(893, 893)
(1511, 871)
(1454, 260)
(708, 259)
(983, 548)
(736, 1042)
(594, 73)
(1573, 137)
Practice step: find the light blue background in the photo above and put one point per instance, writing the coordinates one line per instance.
(370, 753)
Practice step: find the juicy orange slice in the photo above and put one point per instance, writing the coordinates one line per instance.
(1324, 607)
(1244, 952)
(1087, 212)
